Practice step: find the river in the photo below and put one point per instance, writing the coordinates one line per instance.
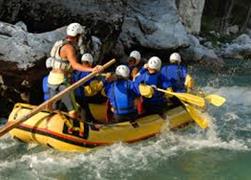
(221, 152)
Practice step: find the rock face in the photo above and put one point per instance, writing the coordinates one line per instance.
(201, 53)
(113, 27)
(240, 48)
(22, 60)
(22, 47)
(127, 24)
(153, 25)
(190, 12)
(44, 15)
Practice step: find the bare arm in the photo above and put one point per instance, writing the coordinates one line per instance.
(68, 52)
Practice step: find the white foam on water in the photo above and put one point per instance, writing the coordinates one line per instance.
(128, 159)
(101, 163)
(195, 142)
(7, 164)
(235, 95)
(231, 116)
(123, 158)
(7, 143)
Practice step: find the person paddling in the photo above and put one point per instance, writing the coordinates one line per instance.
(153, 101)
(88, 89)
(175, 76)
(121, 93)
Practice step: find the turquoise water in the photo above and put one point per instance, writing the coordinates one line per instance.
(221, 152)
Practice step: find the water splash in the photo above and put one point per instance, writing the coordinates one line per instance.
(230, 130)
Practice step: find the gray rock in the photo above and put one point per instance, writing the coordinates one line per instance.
(149, 24)
(242, 39)
(19, 46)
(26, 49)
(153, 24)
(233, 29)
(22, 25)
(199, 53)
(209, 44)
(120, 26)
(190, 12)
(240, 48)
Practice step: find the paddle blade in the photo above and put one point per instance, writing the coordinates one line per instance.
(190, 98)
(196, 116)
(216, 100)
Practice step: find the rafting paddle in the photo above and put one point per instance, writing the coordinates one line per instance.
(12, 124)
(215, 99)
(196, 116)
(189, 98)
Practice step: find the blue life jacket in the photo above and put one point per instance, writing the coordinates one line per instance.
(174, 75)
(139, 66)
(151, 79)
(77, 75)
(142, 70)
(121, 94)
(45, 88)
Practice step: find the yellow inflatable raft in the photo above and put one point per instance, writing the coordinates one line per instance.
(50, 129)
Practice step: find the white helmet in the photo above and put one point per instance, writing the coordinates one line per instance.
(154, 63)
(175, 58)
(74, 29)
(136, 55)
(87, 57)
(122, 70)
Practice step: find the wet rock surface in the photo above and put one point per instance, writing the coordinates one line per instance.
(113, 29)
(239, 48)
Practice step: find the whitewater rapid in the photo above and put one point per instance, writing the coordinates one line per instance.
(230, 130)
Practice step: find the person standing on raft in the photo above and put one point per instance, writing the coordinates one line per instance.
(63, 59)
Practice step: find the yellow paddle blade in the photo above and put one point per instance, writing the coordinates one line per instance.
(197, 116)
(189, 98)
(146, 90)
(215, 99)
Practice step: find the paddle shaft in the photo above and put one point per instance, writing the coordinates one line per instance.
(12, 124)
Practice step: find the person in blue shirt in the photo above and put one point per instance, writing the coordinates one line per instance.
(121, 93)
(86, 90)
(153, 102)
(45, 88)
(175, 76)
(87, 61)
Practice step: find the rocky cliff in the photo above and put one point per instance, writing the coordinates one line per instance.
(113, 28)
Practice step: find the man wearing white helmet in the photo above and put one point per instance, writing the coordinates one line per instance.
(175, 75)
(134, 63)
(121, 94)
(89, 89)
(153, 101)
(63, 59)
